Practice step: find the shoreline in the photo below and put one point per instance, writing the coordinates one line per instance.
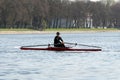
(47, 32)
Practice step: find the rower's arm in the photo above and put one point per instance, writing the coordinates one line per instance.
(61, 39)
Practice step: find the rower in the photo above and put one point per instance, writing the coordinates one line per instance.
(58, 41)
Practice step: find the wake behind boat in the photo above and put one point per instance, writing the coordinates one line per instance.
(70, 48)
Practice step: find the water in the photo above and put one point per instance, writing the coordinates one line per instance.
(16, 64)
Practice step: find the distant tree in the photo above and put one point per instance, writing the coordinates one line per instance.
(116, 14)
(41, 14)
(99, 13)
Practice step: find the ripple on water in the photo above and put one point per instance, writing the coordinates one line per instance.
(16, 64)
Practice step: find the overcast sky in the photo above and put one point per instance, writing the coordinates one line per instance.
(91, 0)
(99, 0)
(95, 0)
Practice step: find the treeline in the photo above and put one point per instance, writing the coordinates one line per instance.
(41, 14)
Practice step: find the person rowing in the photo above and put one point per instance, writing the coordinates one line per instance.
(58, 41)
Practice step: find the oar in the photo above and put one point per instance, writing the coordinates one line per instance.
(83, 45)
(36, 45)
(70, 43)
(89, 45)
(39, 45)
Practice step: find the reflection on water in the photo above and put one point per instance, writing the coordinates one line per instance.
(16, 64)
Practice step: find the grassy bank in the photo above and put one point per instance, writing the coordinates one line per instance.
(72, 30)
(62, 29)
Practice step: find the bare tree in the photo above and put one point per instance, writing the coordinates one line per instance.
(41, 14)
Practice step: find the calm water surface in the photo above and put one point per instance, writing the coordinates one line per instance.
(16, 64)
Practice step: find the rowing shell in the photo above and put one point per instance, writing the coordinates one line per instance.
(58, 49)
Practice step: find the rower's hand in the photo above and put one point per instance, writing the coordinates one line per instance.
(62, 42)
(75, 43)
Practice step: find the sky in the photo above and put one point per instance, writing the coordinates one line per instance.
(99, 0)
(91, 0)
(95, 0)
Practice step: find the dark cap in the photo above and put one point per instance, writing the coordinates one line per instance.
(58, 33)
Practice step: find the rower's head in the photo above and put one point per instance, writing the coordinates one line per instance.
(57, 33)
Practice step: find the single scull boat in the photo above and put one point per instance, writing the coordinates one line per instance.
(51, 48)
(59, 49)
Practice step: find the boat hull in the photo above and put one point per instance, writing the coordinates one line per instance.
(58, 49)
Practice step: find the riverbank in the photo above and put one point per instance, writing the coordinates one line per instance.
(29, 31)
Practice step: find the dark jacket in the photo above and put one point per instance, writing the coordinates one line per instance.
(58, 41)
